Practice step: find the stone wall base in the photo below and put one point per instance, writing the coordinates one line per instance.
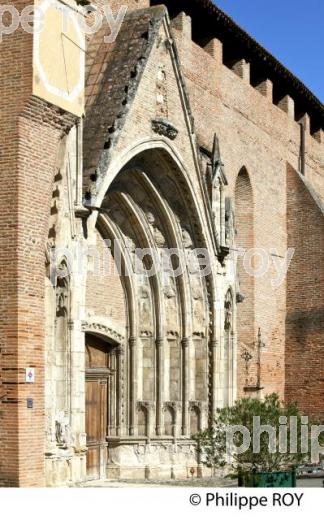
(130, 459)
(154, 460)
(64, 470)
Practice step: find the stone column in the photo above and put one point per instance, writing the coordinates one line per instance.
(159, 384)
(231, 396)
(79, 163)
(150, 407)
(185, 386)
(120, 391)
(214, 377)
(132, 384)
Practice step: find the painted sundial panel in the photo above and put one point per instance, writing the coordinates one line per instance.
(59, 56)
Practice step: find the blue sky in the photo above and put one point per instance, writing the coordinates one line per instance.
(292, 30)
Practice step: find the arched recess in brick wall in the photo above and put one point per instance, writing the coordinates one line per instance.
(244, 224)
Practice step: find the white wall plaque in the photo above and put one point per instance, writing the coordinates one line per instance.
(30, 375)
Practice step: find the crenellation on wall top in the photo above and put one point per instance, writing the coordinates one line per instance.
(246, 67)
(214, 47)
(287, 104)
(183, 23)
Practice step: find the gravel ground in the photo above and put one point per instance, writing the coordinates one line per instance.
(190, 483)
(195, 482)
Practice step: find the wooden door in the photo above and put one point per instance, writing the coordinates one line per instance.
(96, 425)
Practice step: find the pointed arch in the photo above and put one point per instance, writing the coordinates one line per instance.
(151, 199)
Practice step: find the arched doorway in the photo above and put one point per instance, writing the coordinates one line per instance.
(100, 389)
(149, 210)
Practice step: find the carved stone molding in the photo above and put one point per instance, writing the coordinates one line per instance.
(198, 334)
(228, 310)
(101, 328)
(172, 334)
(163, 127)
(174, 405)
(240, 297)
(147, 405)
(198, 405)
(146, 334)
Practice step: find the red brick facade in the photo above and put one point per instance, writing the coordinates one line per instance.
(275, 209)
(304, 379)
(28, 127)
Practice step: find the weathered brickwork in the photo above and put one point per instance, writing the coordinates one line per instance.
(259, 136)
(304, 309)
(184, 145)
(105, 293)
(27, 129)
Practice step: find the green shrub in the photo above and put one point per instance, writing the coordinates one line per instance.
(214, 450)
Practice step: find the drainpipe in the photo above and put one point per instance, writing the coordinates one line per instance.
(302, 148)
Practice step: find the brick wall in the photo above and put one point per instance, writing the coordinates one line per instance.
(105, 293)
(15, 59)
(255, 133)
(252, 132)
(29, 135)
(305, 298)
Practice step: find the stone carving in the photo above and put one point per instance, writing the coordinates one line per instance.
(62, 434)
(163, 127)
(145, 311)
(161, 93)
(198, 316)
(148, 405)
(200, 408)
(61, 301)
(117, 215)
(173, 405)
(198, 305)
(196, 288)
(158, 236)
(171, 310)
(90, 326)
(186, 239)
(215, 168)
(196, 405)
(59, 434)
(228, 306)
